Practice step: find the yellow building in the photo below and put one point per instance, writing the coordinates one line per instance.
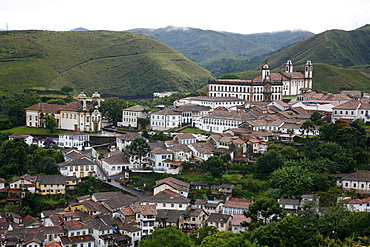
(55, 184)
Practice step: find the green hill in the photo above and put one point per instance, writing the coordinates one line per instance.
(119, 63)
(335, 47)
(206, 46)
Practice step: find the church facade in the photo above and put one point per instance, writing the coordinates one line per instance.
(76, 116)
(267, 87)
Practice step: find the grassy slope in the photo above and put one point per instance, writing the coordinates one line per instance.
(119, 63)
(334, 47)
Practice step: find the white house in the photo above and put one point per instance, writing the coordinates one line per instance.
(358, 204)
(219, 121)
(212, 102)
(185, 138)
(116, 162)
(80, 167)
(173, 184)
(190, 113)
(131, 115)
(165, 120)
(202, 150)
(122, 141)
(167, 200)
(27, 138)
(79, 140)
(359, 181)
(352, 110)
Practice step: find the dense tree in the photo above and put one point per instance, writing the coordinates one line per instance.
(51, 123)
(315, 116)
(269, 162)
(215, 166)
(15, 158)
(112, 108)
(223, 239)
(139, 147)
(167, 237)
(13, 106)
(289, 152)
(263, 211)
(292, 180)
(66, 89)
(335, 222)
(307, 127)
(198, 235)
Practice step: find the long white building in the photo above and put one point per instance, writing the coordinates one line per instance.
(267, 87)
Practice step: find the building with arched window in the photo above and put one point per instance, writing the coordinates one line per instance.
(267, 87)
(76, 116)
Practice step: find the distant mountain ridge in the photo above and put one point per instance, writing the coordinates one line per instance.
(334, 47)
(205, 46)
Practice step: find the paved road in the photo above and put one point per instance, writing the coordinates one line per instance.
(128, 189)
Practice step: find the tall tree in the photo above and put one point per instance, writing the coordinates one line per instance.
(167, 237)
(139, 147)
(51, 123)
(263, 211)
(292, 180)
(112, 108)
(269, 162)
(215, 165)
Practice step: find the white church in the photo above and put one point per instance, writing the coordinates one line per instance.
(267, 87)
(76, 116)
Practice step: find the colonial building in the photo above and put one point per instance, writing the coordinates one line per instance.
(352, 110)
(229, 102)
(76, 116)
(267, 87)
(165, 120)
(131, 115)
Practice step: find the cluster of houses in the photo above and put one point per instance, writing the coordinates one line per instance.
(117, 219)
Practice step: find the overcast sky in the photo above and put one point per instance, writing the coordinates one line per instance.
(238, 16)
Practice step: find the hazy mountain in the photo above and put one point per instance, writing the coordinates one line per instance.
(205, 46)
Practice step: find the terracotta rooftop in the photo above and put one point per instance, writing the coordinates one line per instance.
(138, 108)
(233, 203)
(358, 176)
(166, 196)
(71, 225)
(220, 218)
(68, 241)
(239, 218)
(203, 147)
(183, 136)
(173, 182)
(118, 158)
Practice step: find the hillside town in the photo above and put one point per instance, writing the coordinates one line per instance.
(238, 122)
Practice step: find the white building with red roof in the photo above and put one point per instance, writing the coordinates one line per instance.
(352, 110)
(165, 120)
(76, 116)
(131, 115)
(267, 87)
